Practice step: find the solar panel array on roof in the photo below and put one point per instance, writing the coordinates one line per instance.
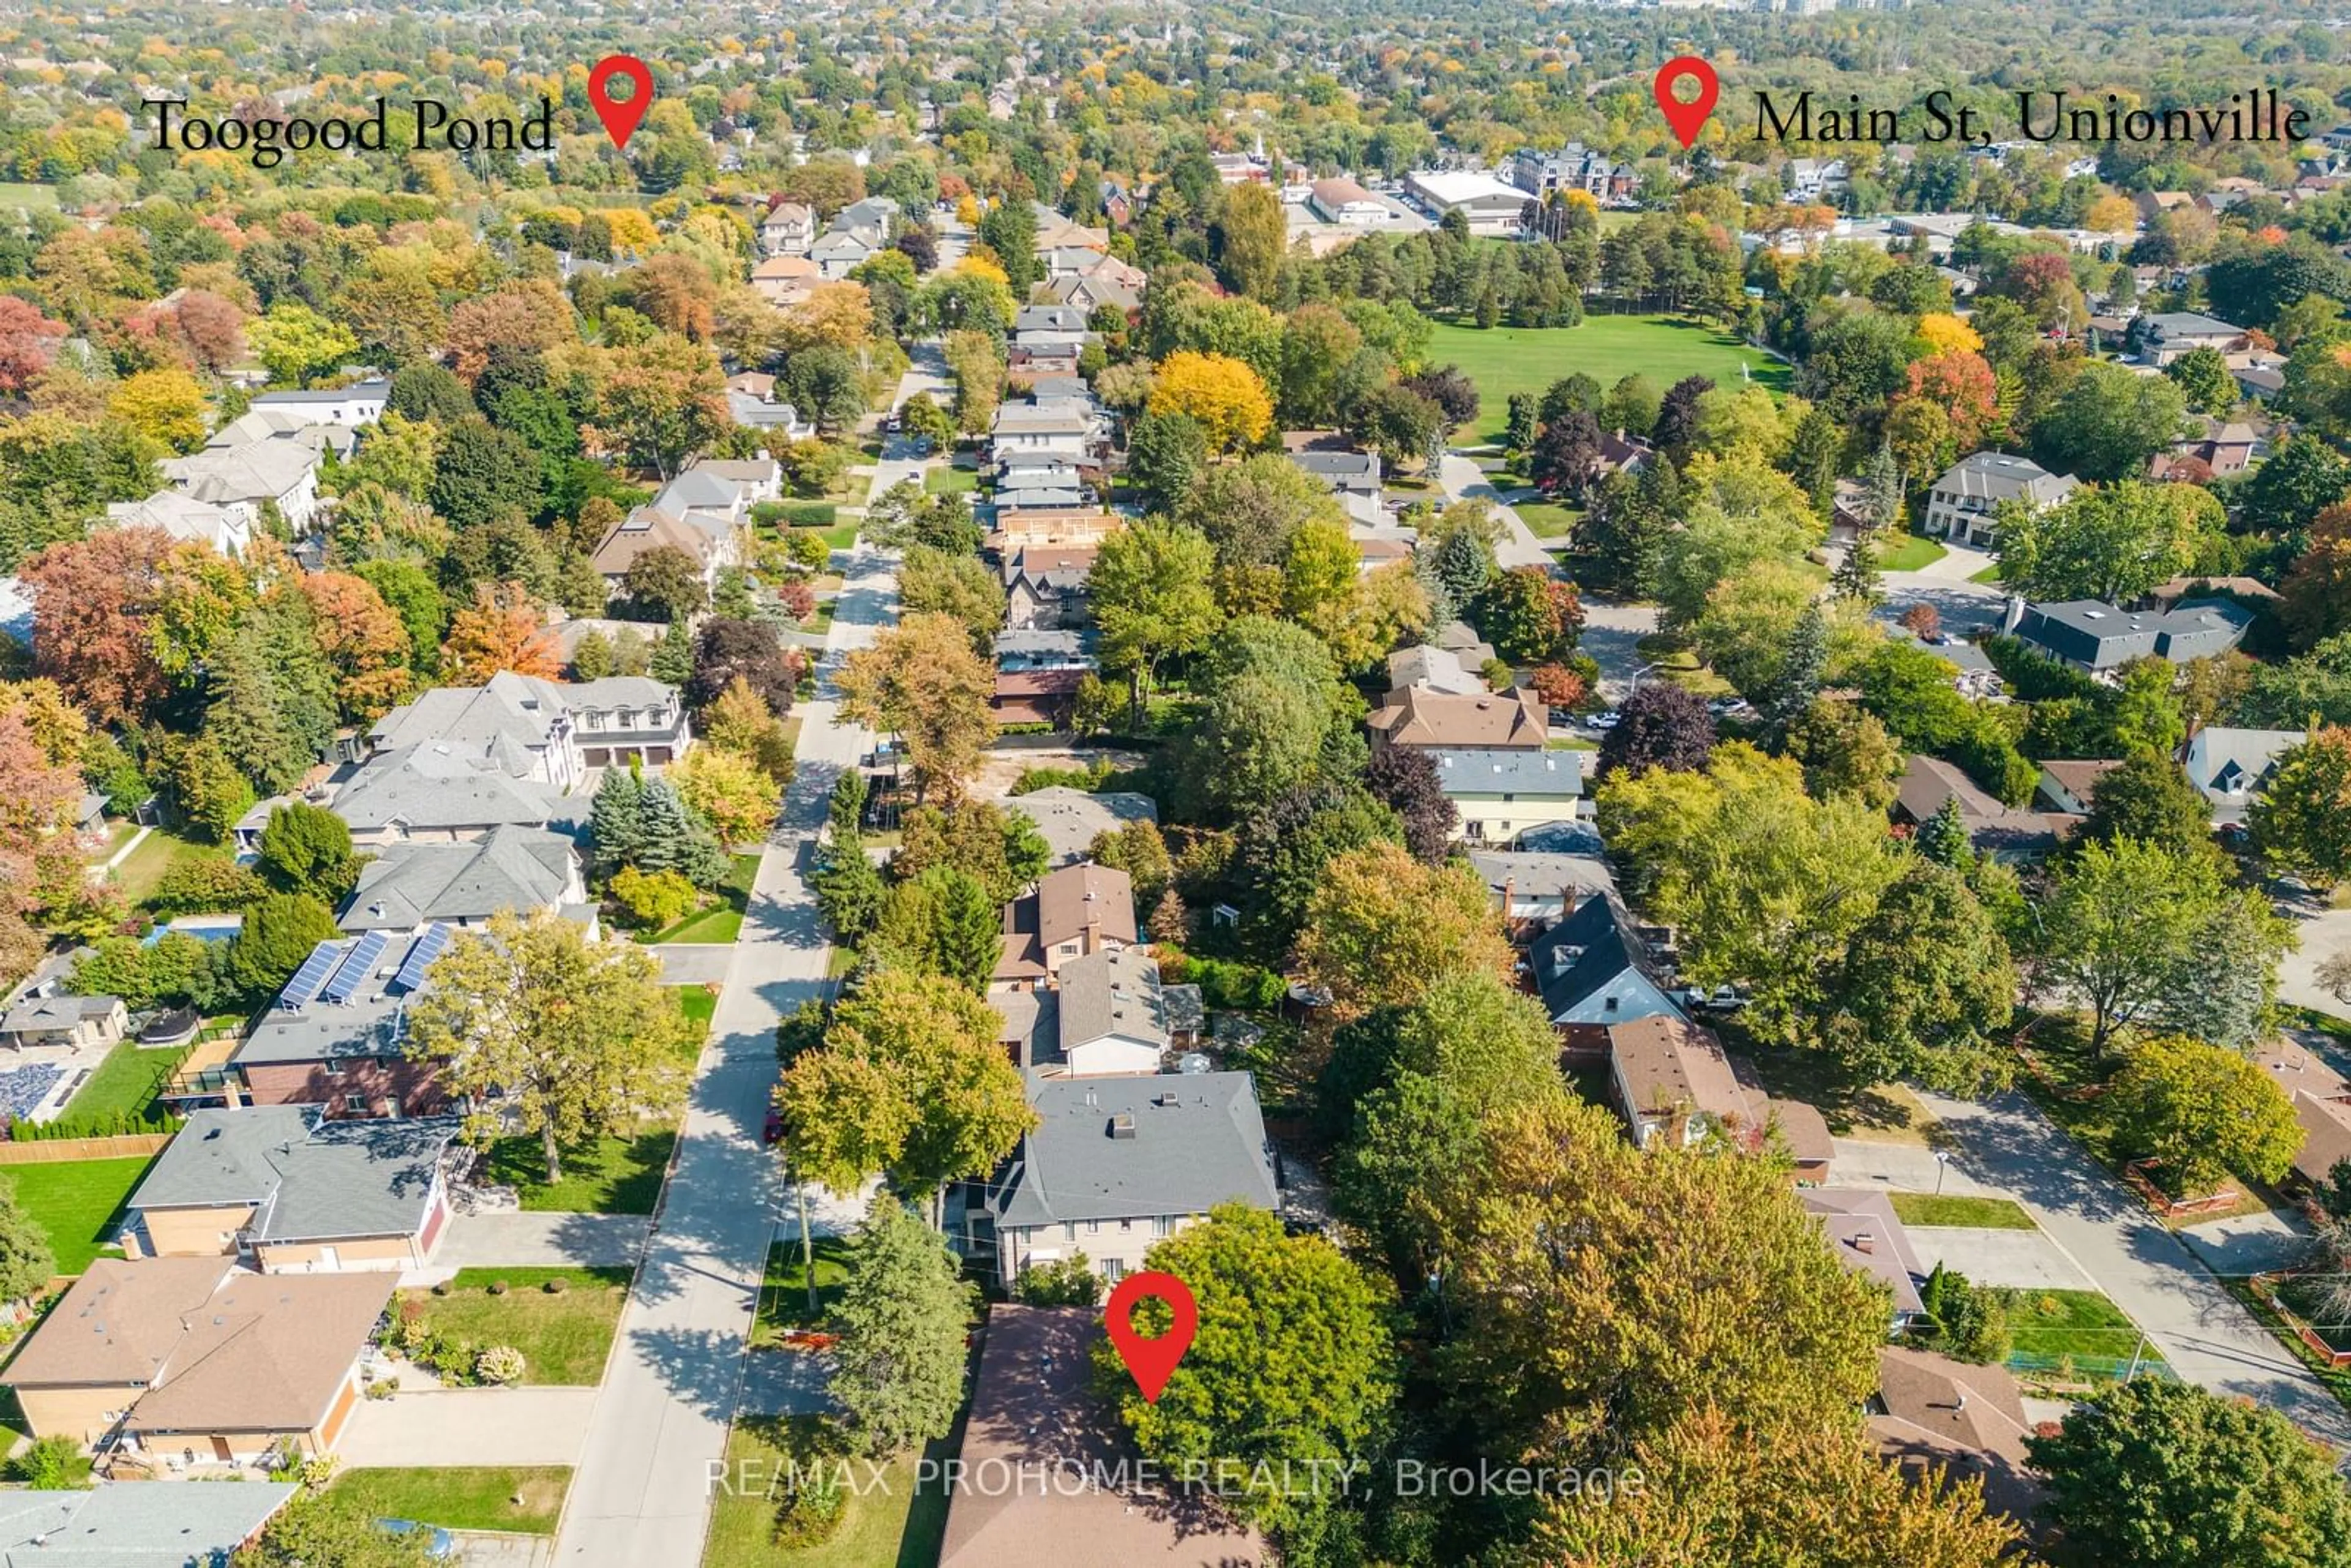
(356, 969)
(311, 975)
(420, 957)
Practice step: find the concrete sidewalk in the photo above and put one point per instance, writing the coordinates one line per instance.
(2014, 1260)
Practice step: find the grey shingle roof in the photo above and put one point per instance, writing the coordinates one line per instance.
(1532, 775)
(1208, 1146)
(406, 885)
(135, 1524)
(223, 1157)
(1112, 993)
(358, 1177)
(428, 788)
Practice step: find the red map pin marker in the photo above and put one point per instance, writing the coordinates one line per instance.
(1152, 1360)
(1688, 118)
(621, 118)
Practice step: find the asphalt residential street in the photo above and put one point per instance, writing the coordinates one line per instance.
(2207, 1336)
(641, 1496)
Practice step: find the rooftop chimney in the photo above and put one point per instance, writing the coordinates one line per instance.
(1864, 1241)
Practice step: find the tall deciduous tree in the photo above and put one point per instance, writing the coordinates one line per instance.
(1765, 884)
(559, 1034)
(308, 849)
(2202, 1114)
(1719, 1491)
(1922, 987)
(279, 933)
(93, 600)
(1383, 926)
(1149, 592)
(898, 1371)
(2301, 824)
(922, 681)
(2164, 1475)
(909, 1084)
(1290, 1365)
(501, 630)
(1603, 1292)
(2115, 542)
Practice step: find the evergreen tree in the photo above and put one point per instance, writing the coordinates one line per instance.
(1882, 489)
(850, 891)
(1519, 432)
(1628, 524)
(308, 849)
(1465, 566)
(847, 811)
(616, 822)
(1943, 838)
(1856, 575)
(898, 1371)
(673, 657)
(279, 932)
(1799, 681)
(1812, 457)
(249, 717)
(25, 1259)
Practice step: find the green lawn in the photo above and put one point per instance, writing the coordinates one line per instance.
(1569, 743)
(883, 1523)
(1549, 519)
(948, 479)
(2081, 1323)
(783, 1292)
(2336, 1379)
(719, 922)
(608, 1176)
(32, 198)
(1914, 553)
(840, 536)
(564, 1339)
(820, 618)
(1988, 574)
(158, 853)
(76, 1202)
(125, 1082)
(1980, 1213)
(1665, 348)
(526, 1498)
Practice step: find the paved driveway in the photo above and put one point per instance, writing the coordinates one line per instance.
(469, 1426)
(1903, 1167)
(2324, 932)
(502, 1549)
(2248, 1244)
(1461, 479)
(2015, 1259)
(695, 963)
(517, 1239)
(2206, 1335)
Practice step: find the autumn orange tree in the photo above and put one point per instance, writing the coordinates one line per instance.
(502, 629)
(93, 599)
(364, 641)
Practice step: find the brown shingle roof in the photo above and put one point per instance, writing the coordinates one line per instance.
(1034, 1412)
(2322, 1104)
(1668, 1065)
(218, 1347)
(1096, 901)
(1503, 721)
(1931, 1410)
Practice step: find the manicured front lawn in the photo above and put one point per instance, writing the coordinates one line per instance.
(883, 1522)
(76, 1202)
(1988, 574)
(1569, 743)
(1549, 519)
(1979, 1213)
(526, 1498)
(721, 921)
(2083, 1324)
(1911, 553)
(1665, 348)
(950, 480)
(564, 1338)
(607, 1176)
(125, 1082)
(783, 1291)
(157, 854)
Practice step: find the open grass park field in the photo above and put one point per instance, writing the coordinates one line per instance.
(1506, 359)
